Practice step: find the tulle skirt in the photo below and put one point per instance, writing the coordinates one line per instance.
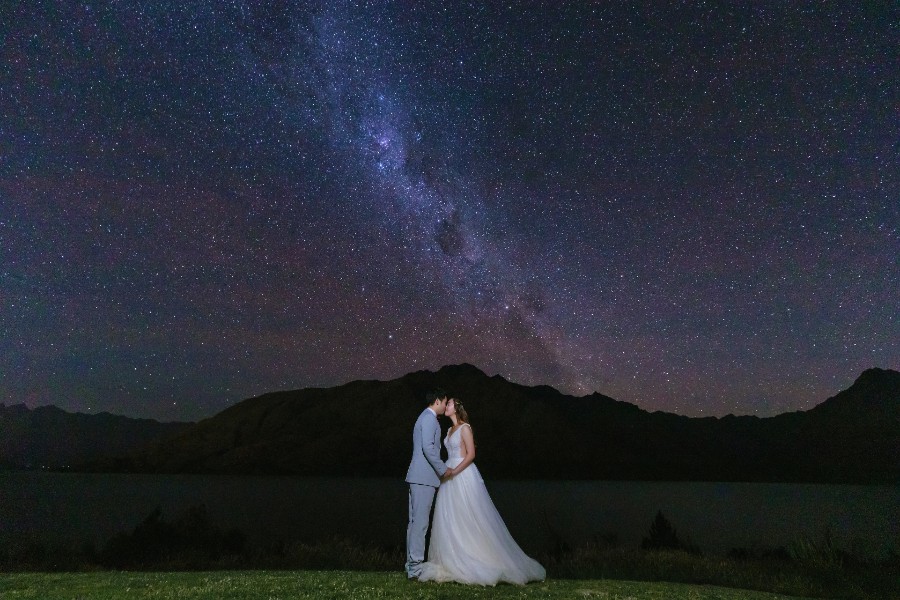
(469, 540)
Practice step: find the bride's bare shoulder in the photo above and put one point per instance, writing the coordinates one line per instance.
(456, 428)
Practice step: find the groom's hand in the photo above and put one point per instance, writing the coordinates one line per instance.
(448, 474)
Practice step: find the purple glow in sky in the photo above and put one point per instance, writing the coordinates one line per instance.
(693, 209)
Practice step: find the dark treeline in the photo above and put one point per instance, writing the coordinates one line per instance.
(190, 540)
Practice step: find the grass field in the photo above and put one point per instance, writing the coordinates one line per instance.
(271, 585)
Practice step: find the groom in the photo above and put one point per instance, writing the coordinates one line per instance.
(424, 476)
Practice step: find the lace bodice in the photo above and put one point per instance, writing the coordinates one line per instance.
(453, 443)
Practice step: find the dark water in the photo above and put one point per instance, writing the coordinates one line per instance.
(716, 516)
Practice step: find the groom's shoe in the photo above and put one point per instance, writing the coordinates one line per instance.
(413, 574)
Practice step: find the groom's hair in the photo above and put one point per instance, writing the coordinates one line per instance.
(435, 395)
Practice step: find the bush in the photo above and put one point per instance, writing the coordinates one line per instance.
(824, 553)
(26, 553)
(190, 541)
(662, 536)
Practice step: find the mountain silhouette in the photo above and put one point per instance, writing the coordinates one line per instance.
(364, 428)
(49, 437)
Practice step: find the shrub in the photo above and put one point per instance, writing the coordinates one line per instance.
(662, 536)
(189, 541)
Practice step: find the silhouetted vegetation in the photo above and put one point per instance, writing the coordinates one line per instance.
(779, 553)
(27, 553)
(765, 569)
(662, 536)
(190, 541)
(823, 553)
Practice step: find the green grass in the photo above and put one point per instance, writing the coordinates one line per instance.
(806, 578)
(272, 585)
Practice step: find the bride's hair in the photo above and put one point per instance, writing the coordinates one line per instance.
(461, 413)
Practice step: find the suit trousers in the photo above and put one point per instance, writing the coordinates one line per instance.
(421, 498)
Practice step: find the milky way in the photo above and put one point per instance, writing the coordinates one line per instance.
(693, 209)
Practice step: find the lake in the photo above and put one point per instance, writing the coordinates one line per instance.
(715, 516)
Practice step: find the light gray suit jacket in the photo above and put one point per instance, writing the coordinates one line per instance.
(426, 466)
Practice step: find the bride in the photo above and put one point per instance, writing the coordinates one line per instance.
(469, 541)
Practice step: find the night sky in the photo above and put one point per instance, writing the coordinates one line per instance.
(692, 208)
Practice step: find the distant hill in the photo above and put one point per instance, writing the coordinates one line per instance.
(50, 438)
(364, 428)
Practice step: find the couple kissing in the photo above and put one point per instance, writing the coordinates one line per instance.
(469, 540)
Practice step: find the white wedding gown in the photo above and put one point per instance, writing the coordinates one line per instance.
(469, 541)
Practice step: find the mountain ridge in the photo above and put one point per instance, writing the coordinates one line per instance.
(49, 437)
(340, 431)
(851, 437)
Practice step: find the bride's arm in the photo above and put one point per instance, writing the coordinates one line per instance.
(468, 447)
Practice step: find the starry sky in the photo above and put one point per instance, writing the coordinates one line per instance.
(691, 207)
